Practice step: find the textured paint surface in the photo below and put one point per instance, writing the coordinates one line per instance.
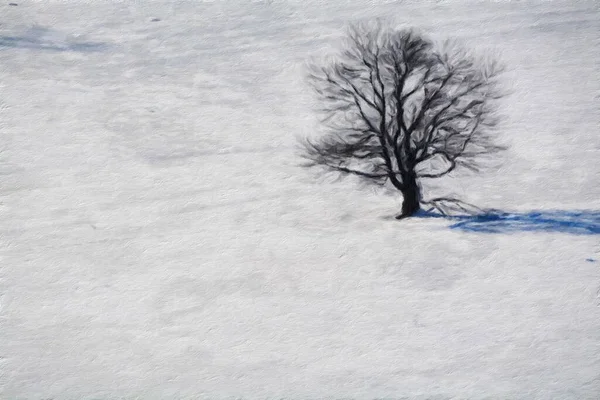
(158, 241)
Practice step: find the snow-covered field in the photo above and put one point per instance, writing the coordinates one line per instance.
(158, 240)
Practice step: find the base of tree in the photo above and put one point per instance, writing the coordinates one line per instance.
(408, 210)
(403, 216)
(411, 202)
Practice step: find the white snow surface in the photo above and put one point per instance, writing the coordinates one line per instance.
(159, 241)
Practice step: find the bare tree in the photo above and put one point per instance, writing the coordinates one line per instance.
(399, 109)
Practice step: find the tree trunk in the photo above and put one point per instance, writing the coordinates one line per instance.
(412, 198)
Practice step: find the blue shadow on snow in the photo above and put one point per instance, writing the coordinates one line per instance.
(42, 38)
(25, 42)
(571, 222)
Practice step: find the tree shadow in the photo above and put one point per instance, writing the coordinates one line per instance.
(584, 222)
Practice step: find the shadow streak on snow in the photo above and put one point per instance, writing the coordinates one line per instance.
(24, 42)
(41, 38)
(584, 222)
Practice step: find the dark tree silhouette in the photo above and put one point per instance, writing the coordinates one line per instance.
(399, 109)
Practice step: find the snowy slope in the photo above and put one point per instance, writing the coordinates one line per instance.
(158, 241)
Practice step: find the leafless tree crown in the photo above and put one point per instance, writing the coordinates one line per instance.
(397, 107)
